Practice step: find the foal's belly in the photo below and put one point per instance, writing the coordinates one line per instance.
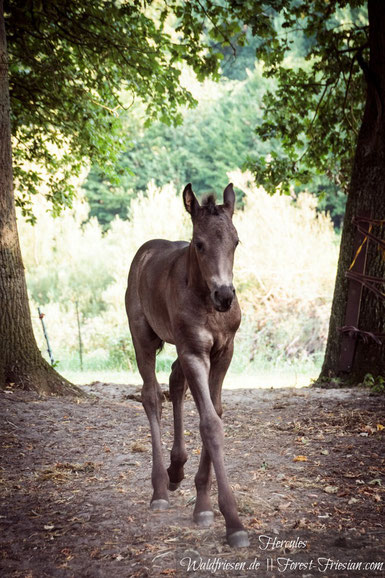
(162, 330)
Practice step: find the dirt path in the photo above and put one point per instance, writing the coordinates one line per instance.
(307, 467)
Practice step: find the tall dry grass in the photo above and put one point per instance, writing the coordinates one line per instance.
(284, 273)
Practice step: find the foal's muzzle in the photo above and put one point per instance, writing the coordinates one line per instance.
(222, 297)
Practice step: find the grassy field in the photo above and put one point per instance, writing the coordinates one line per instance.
(275, 378)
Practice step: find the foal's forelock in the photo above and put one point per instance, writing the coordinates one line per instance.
(210, 205)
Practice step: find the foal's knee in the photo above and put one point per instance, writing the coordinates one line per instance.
(152, 398)
(211, 429)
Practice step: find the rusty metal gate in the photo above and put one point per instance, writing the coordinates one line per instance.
(357, 280)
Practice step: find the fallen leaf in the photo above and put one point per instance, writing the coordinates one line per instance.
(331, 489)
(66, 552)
(300, 459)
(375, 482)
(138, 447)
(284, 506)
(380, 427)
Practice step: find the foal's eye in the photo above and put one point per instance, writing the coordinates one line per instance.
(199, 245)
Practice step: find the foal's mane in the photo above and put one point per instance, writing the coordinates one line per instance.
(208, 202)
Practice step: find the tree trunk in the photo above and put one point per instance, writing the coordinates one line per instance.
(21, 362)
(366, 198)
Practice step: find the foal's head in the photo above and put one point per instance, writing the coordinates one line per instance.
(214, 241)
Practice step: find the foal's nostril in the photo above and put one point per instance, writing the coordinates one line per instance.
(223, 297)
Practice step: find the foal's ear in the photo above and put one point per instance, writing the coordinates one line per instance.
(190, 201)
(229, 198)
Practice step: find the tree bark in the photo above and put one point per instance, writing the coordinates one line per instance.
(366, 197)
(21, 362)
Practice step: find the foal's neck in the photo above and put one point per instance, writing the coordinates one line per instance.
(194, 276)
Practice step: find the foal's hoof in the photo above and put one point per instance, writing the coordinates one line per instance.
(238, 539)
(172, 486)
(159, 505)
(204, 519)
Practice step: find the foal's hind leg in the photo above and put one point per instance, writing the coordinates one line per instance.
(146, 342)
(203, 512)
(178, 387)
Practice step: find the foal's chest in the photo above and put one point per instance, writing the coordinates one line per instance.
(224, 325)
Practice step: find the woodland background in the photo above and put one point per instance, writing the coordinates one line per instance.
(285, 265)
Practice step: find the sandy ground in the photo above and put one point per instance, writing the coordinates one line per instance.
(307, 467)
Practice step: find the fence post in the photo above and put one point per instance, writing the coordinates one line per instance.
(41, 317)
(353, 305)
(79, 337)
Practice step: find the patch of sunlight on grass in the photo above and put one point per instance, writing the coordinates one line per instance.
(104, 376)
(258, 380)
(268, 380)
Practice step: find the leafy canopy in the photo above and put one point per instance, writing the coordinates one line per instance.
(315, 109)
(73, 67)
(213, 140)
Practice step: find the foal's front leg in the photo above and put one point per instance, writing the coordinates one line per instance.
(196, 368)
(203, 514)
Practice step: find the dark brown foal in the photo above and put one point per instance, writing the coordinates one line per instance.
(183, 293)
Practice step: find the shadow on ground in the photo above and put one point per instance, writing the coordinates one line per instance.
(306, 466)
